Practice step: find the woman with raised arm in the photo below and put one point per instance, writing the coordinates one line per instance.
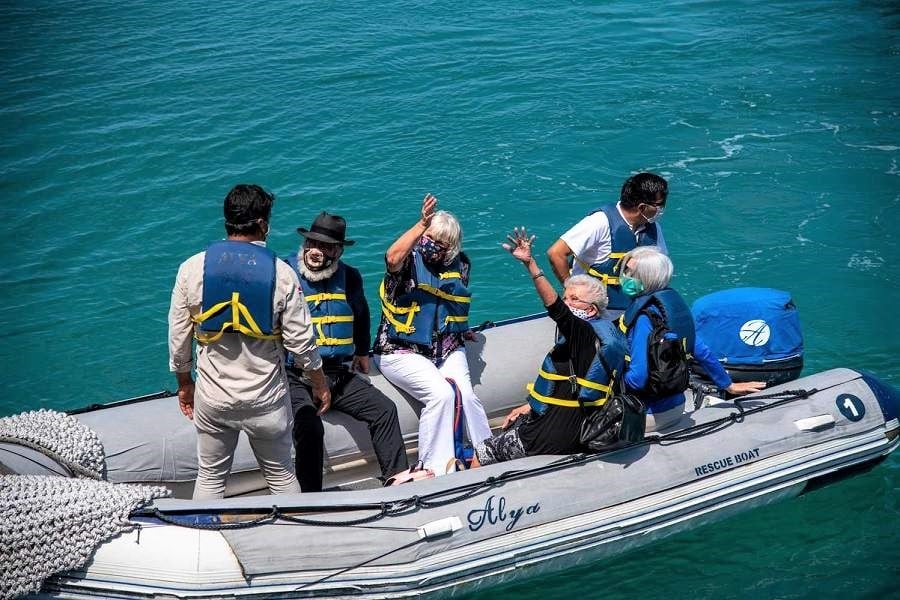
(420, 343)
(576, 375)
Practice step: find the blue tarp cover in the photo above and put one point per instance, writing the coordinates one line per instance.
(749, 326)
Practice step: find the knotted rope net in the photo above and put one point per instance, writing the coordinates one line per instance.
(58, 435)
(51, 524)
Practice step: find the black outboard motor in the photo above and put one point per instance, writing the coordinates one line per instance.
(754, 332)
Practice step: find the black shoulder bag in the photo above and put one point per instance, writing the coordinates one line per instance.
(667, 364)
(619, 421)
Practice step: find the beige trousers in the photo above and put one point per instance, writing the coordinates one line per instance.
(269, 432)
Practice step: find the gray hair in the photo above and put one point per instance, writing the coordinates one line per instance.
(594, 290)
(445, 228)
(651, 267)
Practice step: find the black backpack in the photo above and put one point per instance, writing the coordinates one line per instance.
(667, 362)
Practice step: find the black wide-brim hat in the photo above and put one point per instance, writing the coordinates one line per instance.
(327, 228)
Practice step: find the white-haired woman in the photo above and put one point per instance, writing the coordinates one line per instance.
(424, 324)
(575, 376)
(645, 277)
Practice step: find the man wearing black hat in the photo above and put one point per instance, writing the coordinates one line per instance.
(340, 316)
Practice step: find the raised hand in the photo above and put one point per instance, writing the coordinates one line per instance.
(429, 206)
(519, 244)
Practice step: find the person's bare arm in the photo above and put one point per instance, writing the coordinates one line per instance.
(400, 249)
(558, 254)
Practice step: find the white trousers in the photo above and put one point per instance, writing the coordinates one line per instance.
(427, 383)
(269, 432)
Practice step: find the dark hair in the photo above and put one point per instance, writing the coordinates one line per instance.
(643, 189)
(245, 205)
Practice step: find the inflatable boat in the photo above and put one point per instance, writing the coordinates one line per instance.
(463, 531)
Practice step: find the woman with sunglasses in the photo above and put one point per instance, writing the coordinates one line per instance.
(420, 342)
(644, 278)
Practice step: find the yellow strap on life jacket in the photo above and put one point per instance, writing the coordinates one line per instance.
(450, 319)
(616, 266)
(607, 279)
(322, 340)
(389, 310)
(450, 275)
(328, 319)
(604, 277)
(582, 382)
(559, 402)
(621, 322)
(322, 297)
(330, 341)
(442, 294)
(327, 341)
(238, 310)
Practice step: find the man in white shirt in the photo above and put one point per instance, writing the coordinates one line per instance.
(597, 242)
(244, 307)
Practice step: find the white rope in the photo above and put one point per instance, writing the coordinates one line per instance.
(60, 436)
(51, 524)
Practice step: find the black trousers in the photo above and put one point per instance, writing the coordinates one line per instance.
(361, 400)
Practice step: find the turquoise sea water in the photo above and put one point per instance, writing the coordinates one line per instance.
(777, 125)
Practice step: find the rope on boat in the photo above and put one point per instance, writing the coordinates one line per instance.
(50, 524)
(64, 439)
(463, 492)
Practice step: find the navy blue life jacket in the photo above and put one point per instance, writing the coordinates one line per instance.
(439, 303)
(597, 384)
(332, 315)
(668, 306)
(623, 240)
(238, 289)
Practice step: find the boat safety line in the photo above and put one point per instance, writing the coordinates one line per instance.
(135, 400)
(492, 324)
(385, 509)
(463, 492)
(713, 426)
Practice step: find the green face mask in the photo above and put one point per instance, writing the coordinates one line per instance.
(630, 286)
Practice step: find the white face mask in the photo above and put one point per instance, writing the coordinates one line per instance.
(656, 217)
(581, 313)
